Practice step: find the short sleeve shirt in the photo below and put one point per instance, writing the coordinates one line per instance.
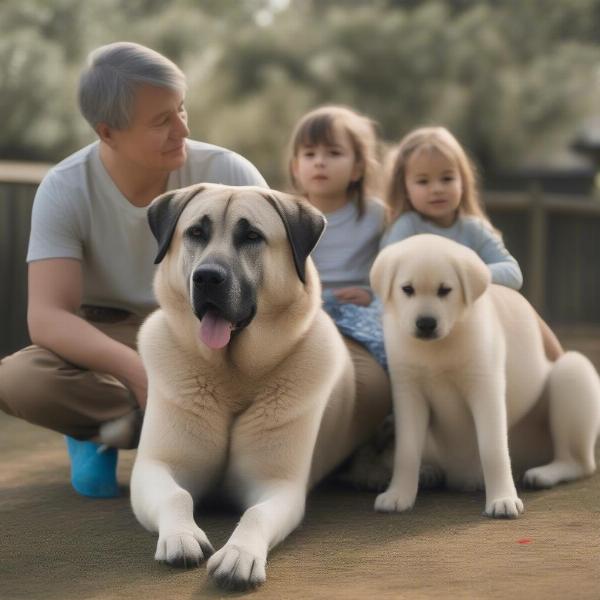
(79, 213)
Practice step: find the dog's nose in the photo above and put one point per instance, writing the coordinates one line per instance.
(426, 326)
(209, 275)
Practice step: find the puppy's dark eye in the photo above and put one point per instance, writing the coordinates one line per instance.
(409, 290)
(443, 291)
(253, 236)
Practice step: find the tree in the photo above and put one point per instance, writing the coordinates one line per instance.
(510, 84)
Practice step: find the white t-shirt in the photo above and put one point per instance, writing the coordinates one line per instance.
(79, 212)
(349, 245)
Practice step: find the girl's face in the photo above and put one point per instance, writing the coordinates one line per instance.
(434, 186)
(325, 171)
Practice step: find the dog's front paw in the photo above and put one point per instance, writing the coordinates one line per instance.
(187, 549)
(236, 568)
(394, 501)
(504, 508)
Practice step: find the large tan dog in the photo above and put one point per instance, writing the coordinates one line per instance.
(470, 379)
(251, 386)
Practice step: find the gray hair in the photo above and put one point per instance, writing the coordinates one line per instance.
(108, 84)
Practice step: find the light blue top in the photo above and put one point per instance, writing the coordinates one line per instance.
(470, 231)
(349, 245)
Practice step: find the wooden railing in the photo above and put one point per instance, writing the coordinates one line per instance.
(22, 172)
(556, 240)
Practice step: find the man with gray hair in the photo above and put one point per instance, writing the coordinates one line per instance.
(91, 256)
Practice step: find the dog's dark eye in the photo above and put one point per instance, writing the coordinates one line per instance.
(253, 236)
(200, 231)
(443, 291)
(197, 232)
(409, 290)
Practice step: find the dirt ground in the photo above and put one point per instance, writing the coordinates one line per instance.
(56, 545)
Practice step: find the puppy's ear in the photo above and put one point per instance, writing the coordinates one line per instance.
(474, 275)
(382, 272)
(164, 212)
(304, 226)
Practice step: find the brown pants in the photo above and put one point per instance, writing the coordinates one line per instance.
(40, 387)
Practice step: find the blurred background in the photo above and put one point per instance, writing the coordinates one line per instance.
(517, 82)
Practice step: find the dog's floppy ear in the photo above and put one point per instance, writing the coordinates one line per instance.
(304, 225)
(474, 275)
(163, 214)
(381, 275)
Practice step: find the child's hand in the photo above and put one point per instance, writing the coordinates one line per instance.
(353, 295)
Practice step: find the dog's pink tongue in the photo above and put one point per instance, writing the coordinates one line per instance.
(215, 331)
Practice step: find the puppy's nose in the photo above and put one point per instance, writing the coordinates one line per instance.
(209, 275)
(426, 326)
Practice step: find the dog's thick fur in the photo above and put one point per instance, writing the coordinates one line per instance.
(470, 379)
(263, 410)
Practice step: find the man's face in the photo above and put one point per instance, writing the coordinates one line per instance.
(155, 138)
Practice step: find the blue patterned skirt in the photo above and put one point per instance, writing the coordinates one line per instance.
(360, 323)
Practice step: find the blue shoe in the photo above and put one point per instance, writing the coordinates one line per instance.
(93, 471)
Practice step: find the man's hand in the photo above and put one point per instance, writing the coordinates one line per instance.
(353, 295)
(133, 376)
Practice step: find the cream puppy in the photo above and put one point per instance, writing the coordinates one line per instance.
(470, 381)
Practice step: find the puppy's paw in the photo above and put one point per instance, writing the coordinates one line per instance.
(394, 501)
(537, 479)
(504, 508)
(549, 475)
(237, 568)
(186, 549)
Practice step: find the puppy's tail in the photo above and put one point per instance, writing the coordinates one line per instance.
(574, 395)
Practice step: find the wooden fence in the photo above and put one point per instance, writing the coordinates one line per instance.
(556, 240)
(18, 182)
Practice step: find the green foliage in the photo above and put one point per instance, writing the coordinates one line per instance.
(510, 78)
